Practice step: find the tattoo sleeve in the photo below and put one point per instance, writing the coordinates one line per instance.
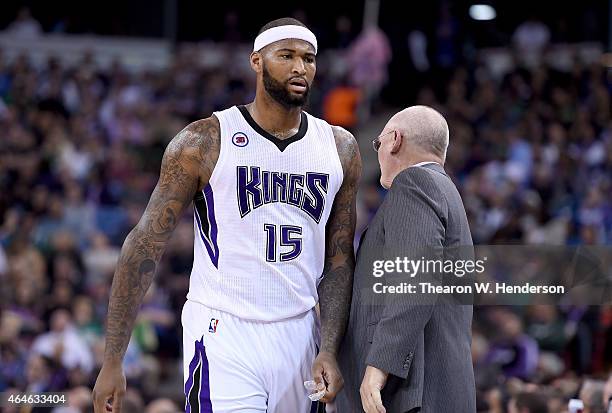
(186, 167)
(336, 286)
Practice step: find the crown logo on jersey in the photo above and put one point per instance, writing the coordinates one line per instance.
(240, 139)
(212, 327)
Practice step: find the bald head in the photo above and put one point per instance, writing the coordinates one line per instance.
(424, 128)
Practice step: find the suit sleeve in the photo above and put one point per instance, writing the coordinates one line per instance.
(415, 221)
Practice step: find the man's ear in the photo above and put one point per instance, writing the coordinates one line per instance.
(256, 61)
(397, 141)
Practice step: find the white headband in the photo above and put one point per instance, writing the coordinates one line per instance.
(277, 33)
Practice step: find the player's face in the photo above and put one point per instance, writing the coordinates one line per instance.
(288, 69)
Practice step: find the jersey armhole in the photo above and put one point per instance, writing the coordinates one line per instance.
(339, 167)
(223, 127)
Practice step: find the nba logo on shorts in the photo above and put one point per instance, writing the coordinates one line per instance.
(212, 327)
(240, 139)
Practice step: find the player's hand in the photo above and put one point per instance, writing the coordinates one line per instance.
(325, 370)
(109, 389)
(373, 382)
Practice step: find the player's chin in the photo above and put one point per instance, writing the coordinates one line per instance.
(298, 97)
(297, 103)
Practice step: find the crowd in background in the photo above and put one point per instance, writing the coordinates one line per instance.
(80, 150)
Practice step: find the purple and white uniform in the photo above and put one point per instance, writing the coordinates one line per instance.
(250, 332)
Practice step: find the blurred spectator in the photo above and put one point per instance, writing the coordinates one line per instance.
(12, 356)
(79, 400)
(133, 401)
(344, 35)
(63, 343)
(528, 403)
(546, 327)
(512, 350)
(162, 406)
(446, 37)
(25, 25)
(417, 45)
(591, 394)
(153, 327)
(368, 59)
(88, 328)
(340, 106)
(530, 39)
(38, 374)
(79, 215)
(52, 223)
(100, 258)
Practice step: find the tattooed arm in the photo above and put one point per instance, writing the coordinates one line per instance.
(186, 167)
(336, 286)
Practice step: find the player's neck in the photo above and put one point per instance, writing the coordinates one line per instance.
(273, 117)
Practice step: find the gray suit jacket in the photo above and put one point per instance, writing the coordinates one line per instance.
(425, 346)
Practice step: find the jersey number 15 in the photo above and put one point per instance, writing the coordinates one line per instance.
(285, 243)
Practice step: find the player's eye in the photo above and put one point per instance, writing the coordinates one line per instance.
(309, 59)
(286, 56)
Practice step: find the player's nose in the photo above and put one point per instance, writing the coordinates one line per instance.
(299, 67)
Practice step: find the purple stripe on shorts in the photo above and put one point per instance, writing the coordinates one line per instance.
(204, 390)
(205, 402)
(189, 383)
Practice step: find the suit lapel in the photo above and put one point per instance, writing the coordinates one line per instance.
(361, 238)
(374, 228)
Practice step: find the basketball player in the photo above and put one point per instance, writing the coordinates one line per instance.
(274, 216)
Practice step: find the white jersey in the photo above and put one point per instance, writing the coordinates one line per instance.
(259, 224)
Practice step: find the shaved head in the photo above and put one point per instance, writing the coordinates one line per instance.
(416, 134)
(423, 127)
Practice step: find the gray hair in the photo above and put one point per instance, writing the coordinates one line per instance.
(424, 127)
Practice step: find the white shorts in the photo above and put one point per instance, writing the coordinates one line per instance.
(235, 365)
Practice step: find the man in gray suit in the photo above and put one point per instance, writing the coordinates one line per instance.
(411, 353)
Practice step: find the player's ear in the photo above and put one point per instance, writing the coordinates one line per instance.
(256, 61)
